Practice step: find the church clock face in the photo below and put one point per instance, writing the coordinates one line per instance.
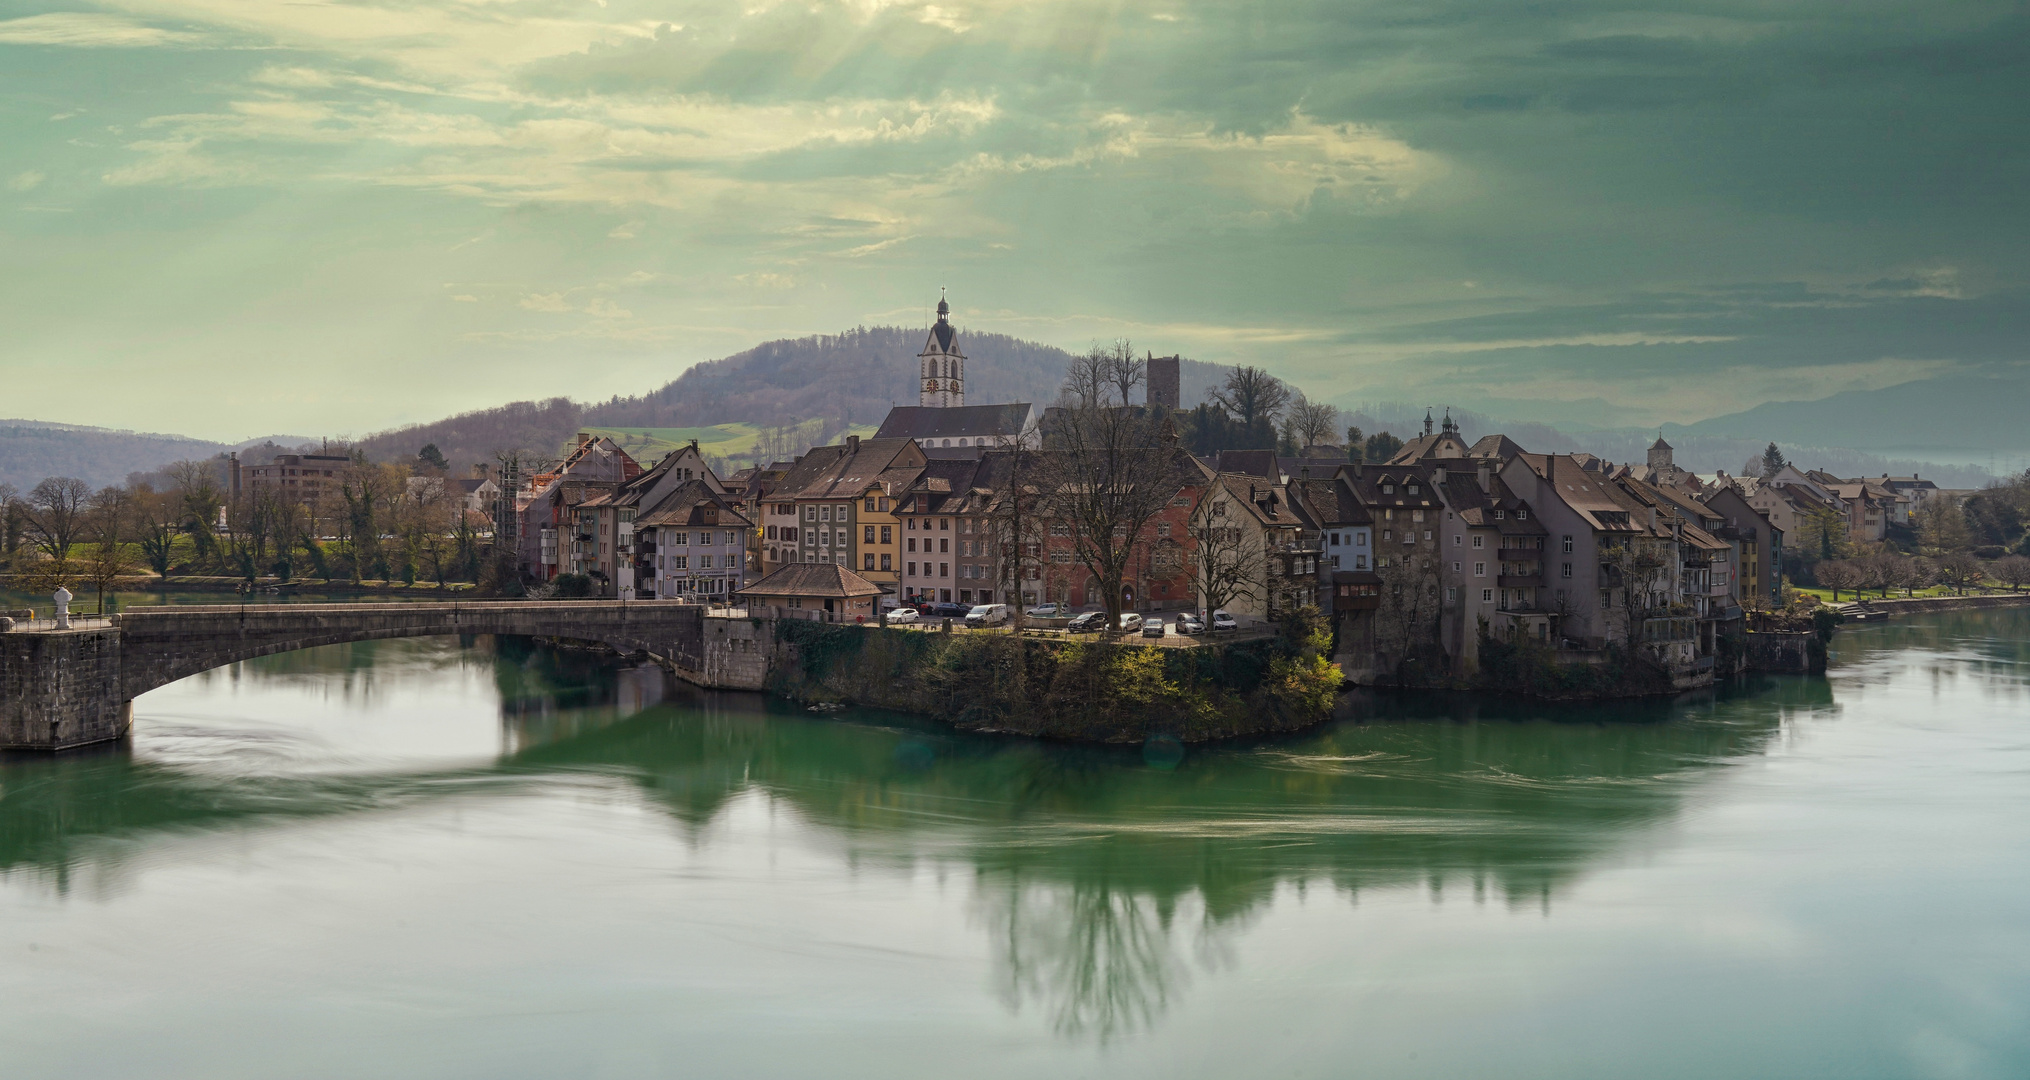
(930, 386)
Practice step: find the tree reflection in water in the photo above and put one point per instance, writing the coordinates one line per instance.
(1103, 883)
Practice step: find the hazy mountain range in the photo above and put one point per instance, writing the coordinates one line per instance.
(853, 378)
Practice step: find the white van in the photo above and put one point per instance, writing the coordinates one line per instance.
(987, 615)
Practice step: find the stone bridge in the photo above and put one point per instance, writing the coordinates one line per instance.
(63, 688)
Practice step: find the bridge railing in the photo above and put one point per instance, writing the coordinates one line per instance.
(77, 622)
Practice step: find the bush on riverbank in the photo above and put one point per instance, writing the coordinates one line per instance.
(1088, 690)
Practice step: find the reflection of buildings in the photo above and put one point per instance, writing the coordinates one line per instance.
(1103, 883)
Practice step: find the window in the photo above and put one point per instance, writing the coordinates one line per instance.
(1427, 536)
(1219, 509)
(824, 513)
(1163, 529)
(1451, 594)
(1480, 569)
(1487, 596)
(1062, 558)
(842, 538)
(1359, 539)
(1060, 529)
(887, 563)
(1607, 598)
(1568, 545)
(944, 569)
(1567, 571)
(866, 534)
(1456, 541)
(1522, 515)
(944, 524)
(912, 569)
(869, 506)
(682, 538)
(1387, 534)
(704, 562)
(944, 544)
(1413, 489)
(680, 562)
(912, 524)
(1478, 541)
(887, 534)
(1360, 562)
(1455, 568)
(868, 562)
(912, 545)
(883, 505)
(1497, 514)
(1416, 515)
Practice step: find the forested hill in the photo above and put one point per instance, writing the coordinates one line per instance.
(849, 378)
(30, 451)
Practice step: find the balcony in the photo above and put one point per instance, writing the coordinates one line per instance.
(1519, 581)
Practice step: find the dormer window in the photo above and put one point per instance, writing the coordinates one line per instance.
(1522, 515)
(1413, 489)
(1497, 515)
(1388, 489)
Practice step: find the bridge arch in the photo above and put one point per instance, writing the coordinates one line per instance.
(159, 646)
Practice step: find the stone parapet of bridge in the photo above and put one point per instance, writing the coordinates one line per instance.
(74, 687)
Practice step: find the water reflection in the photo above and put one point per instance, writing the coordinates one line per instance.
(1102, 882)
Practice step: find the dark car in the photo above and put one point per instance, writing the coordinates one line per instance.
(944, 611)
(1088, 623)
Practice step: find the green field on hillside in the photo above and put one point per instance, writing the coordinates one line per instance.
(729, 442)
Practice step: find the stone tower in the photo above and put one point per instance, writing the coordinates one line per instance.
(943, 365)
(1660, 456)
(1164, 380)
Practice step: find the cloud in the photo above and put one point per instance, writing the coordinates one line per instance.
(546, 302)
(26, 181)
(84, 29)
(627, 230)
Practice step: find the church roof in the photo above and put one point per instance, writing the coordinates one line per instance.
(957, 421)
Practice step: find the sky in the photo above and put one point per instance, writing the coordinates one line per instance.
(230, 218)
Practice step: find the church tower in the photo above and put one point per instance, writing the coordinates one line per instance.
(944, 366)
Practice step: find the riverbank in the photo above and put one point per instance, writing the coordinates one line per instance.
(213, 583)
(1924, 605)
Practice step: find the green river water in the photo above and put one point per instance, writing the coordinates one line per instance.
(445, 858)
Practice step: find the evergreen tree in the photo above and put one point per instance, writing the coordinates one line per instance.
(1772, 461)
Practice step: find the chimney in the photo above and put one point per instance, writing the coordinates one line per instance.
(852, 444)
(1438, 476)
(584, 437)
(1486, 475)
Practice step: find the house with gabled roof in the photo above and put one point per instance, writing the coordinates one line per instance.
(836, 504)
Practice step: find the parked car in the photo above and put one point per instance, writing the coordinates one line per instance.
(1130, 622)
(903, 615)
(1152, 628)
(1221, 621)
(943, 610)
(987, 615)
(1188, 623)
(1051, 610)
(1088, 623)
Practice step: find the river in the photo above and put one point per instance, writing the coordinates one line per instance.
(479, 858)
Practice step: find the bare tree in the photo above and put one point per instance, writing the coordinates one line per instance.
(55, 510)
(1406, 622)
(1104, 473)
(109, 525)
(1960, 570)
(1251, 395)
(1125, 371)
(1838, 574)
(1012, 516)
(10, 519)
(2013, 570)
(1226, 565)
(1312, 422)
(201, 498)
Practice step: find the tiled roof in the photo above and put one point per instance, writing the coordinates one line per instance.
(825, 581)
(685, 506)
(958, 421)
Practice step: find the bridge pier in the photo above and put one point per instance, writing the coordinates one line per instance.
(61, 688)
